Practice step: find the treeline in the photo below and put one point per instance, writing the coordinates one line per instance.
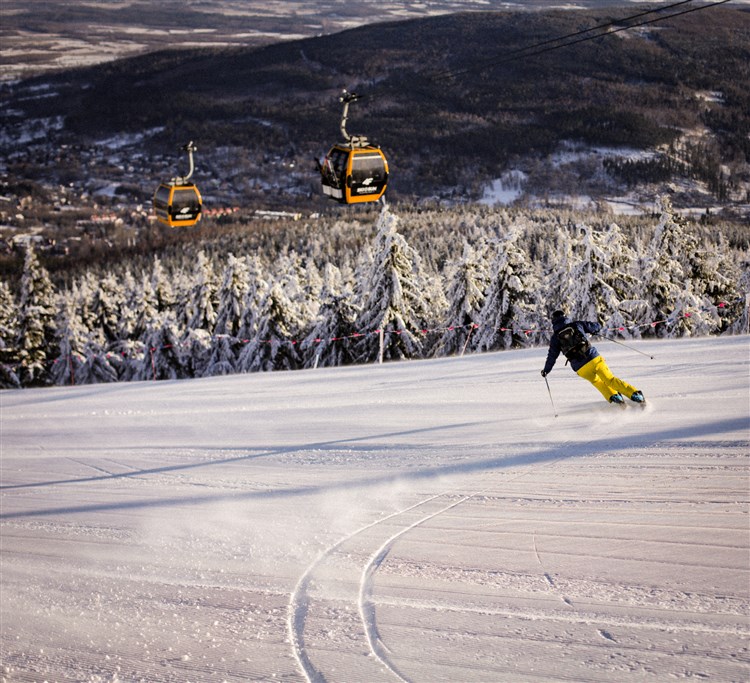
(417, 285)
(698, 161)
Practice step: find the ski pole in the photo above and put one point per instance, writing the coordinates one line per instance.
(627, 346)
(549, 391)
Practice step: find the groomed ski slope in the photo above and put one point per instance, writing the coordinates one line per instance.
(418, 521)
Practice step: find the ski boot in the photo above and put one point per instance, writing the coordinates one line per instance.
(638, 397)
(617, 399)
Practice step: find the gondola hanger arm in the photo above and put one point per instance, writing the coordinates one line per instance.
(189, 148)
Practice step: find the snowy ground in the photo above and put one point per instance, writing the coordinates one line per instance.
(420, 521)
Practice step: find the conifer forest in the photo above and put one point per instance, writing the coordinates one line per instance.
(400, 285)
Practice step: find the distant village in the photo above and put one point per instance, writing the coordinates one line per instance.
(46, 200)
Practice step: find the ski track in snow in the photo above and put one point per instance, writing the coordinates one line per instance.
(412, 523)
(300, 600)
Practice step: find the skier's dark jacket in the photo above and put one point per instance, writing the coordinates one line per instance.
(584, 326)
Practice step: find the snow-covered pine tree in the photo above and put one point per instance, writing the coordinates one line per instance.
(256, 294)
(739, 307)
(8, 335)
(145, 309)
(163, 357)
(715, 277)
(509, 315)
(99, 367)
(126, 325)
(232, 296)
(35, 341)
(276, 346)
(673, 308)
(601, 277)
(71, 341)
(559, 262)
(200, 312)
(331, 341)
(392, 298)
(301, 281)
(467, 284)
(196, 352)
(161, 282)
(620, 279)
(105, 311)
(222, 356)
(138, 315)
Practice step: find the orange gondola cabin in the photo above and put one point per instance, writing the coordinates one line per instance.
(178, 205)
(177, 202)
(354, 171)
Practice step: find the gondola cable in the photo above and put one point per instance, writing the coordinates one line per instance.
(547, 46)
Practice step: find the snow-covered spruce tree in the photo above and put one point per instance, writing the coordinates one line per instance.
(222, 356)
(620, 262)
(101, 312)
(35, 341)
(673, 309)
(509, 315)
(256, 293)
(126, 324)
(196, 352)
(105, 311)
(232, 296)
(138, 316)
(163, 357)
(301, 281)
(716, 278)
(468, 280)
(99, 368)
(739, 307)
(331, 341)
(71, 342)
(276, 346)
(601, 277)
(161, 282)
(199, 312)
(8, 335)
(144, 305)
(558, 268)
(102, 302)
(392, 295)
(8, 377)
(620, 280)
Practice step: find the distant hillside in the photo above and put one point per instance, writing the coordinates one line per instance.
(46, 35)
(681, 86)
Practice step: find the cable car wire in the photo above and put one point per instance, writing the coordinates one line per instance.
(548, 46)
(491, 60)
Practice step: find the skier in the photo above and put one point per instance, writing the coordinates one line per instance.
(569, 337)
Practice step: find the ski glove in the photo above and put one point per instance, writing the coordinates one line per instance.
(544, 373)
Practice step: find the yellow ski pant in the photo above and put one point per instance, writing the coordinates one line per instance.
(598, 373)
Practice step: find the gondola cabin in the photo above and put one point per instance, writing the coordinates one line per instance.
(178, 204)
(353, 175)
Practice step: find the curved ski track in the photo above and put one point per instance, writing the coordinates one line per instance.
(300, 599)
